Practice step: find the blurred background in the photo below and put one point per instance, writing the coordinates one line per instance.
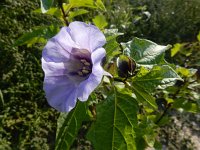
(28, 122)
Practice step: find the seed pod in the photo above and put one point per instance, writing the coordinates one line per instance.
(126, 66)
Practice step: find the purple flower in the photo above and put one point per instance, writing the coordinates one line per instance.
(71, 61)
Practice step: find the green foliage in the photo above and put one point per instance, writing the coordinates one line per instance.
(69, 125)
(46, 5)
(129, 109)
(145, 52)
(119, 112)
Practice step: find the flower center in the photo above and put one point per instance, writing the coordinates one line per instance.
(80, 65)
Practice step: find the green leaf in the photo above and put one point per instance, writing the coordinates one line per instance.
(46, 5)
(175, 49)
(186, 105)
(1, 99)
(145, 52)
(111, 44)
(69, 125)
(158, 77)
(82, 3)
(38, 34)
(198, 36)
(75, 13)
(142, 95)
(100, 21)
(100, 5)
(114, 127)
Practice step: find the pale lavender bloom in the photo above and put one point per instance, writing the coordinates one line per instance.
(71, 61)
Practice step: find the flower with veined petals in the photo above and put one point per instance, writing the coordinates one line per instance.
(71, 61)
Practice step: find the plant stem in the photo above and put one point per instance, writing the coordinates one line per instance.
(63, 12)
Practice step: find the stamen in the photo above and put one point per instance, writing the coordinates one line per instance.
(86, 63)
(80, 73)
(85, 71)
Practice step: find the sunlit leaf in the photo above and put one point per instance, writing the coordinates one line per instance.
(114, 127)
(100, 5)
(158, 77)
(100, 21)
(69, 125)
(46, 5)
(175, 49)
(82, 3)
(77, 12)
(198, 36)
(111, 43)
(144, 51)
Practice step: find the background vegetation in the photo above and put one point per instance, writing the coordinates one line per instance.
(28, 122)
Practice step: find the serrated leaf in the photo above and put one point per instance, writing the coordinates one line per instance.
(69, 125)
(100, 21)
(114, 127)
(158, 77)
(46, 5)
(144, 51)
(143, 96)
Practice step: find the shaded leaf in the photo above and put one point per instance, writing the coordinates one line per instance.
(69, 125)
(114, 127)
(38, 34)
(143, 96)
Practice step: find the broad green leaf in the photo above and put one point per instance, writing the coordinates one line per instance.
(111, 43)
(100, 21)
(75, 13)
(37, 34)
(82, 3)
(114, 126)
(145, 52)
(175, 49)
(158, 77)
(54, 11)
(69, 125)
(46, 5)
(142, 95)
(100, 5)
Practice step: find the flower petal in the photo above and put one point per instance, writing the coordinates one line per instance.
(58, 48)
(87, 87)
(61, 93)
(53, 69)
(98, 55)
(86, 36)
